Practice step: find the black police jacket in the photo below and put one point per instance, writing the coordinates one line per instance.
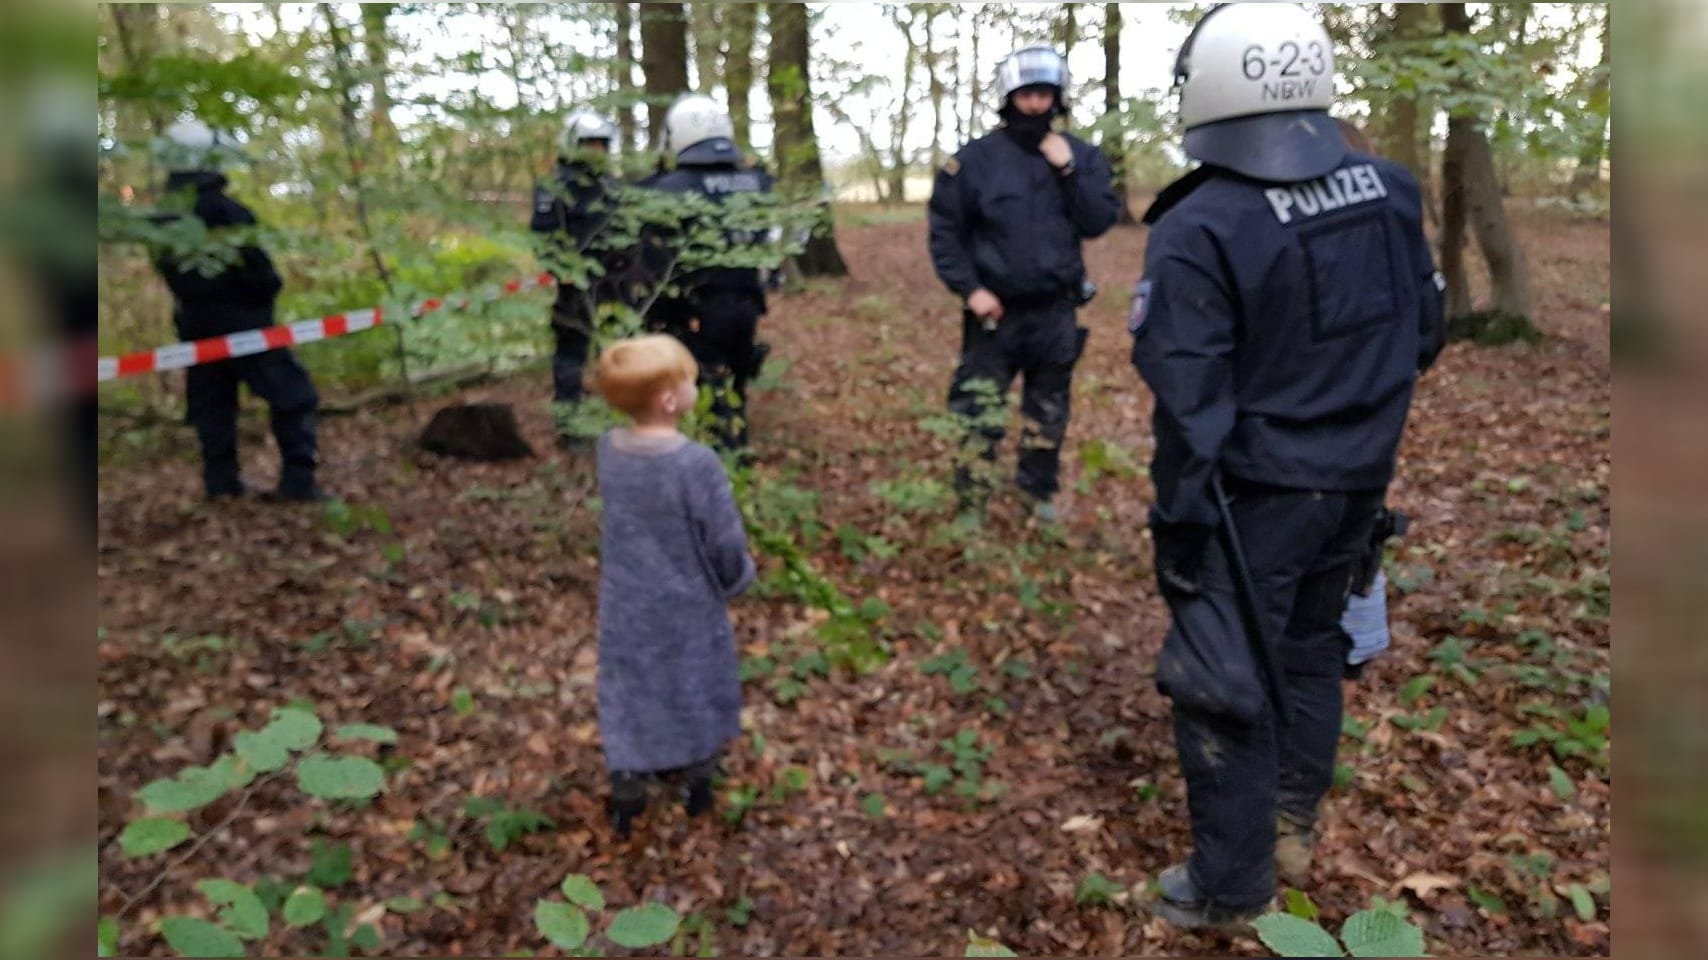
(716, 182)
(1004, 219)
(1281, 328)
(236, 298)
(570, 210)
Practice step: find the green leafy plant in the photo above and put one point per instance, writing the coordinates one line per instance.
(567, 923)
(1096, 890)
(1375, 932)
(288, 745)
(1587, 736)
(1099, 458)
(503, 825)
(978, 946)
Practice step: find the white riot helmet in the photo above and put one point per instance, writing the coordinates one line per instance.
(1031, 66)
(698, 132)
(1256, 81)
(582, 126)
(191, 145)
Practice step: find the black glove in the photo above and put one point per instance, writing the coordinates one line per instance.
(1179, 555)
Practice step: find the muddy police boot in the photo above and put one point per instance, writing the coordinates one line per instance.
(1179, 901)
(1295, 845)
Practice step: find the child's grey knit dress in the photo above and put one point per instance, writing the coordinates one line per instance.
(672, 554)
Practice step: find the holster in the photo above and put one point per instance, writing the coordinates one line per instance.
(1389, 525)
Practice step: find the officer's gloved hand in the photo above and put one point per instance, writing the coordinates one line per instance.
(1179, 556)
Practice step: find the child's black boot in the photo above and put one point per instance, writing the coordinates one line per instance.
(628, 801)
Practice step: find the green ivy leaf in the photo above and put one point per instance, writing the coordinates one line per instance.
(1096, 890)
(1379, 933)
(643, 926)
(329, 865)
(873, 804)
(405, 905)
(107, 937)
(240, 909)
(1562, 784)
(195, 787)
(1486, 901)
(1415, 688)
(145, 838)
(562, 924)
(198, 938)
(262, 753)
(305, 905)
(294, 728)
(1582, 902)
(1291, 936)
(339, 778)
(978, 946)
(367, 938)
(580, 890)
(1300, 905)
(366, 731)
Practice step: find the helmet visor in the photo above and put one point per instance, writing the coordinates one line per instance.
(1278, 147)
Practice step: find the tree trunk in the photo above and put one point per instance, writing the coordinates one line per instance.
(934, 82)
(517, 165)
(664, 60)
(137, 27)
(1114, 146)
(790, 84)
(975, 121)
(1400, 140)
(904, 112)
(739, 20)
(1453, 238)
(624, 67)
(708, 44)
(1471, 192)
(1598, 105)
(1487, 215)
(955, 80)
(379, 70)
(1069, 33)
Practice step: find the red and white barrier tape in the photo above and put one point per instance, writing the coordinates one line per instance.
(177, 356)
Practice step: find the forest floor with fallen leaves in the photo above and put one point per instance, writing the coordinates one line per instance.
(1012, 745)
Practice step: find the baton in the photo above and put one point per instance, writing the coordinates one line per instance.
(1246, 590)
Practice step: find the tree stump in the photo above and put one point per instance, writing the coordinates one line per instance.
(486, 432)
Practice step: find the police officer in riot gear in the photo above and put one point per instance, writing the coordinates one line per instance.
(1288, 304)
(213, 299)
(1008, 214)
(717, 309)
(570, 210)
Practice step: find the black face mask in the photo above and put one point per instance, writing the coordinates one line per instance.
(1027, 130)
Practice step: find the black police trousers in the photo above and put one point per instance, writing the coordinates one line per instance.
(1304, 549)
(574, 337)
(722, 339)
(211, 402)
(1041, 343)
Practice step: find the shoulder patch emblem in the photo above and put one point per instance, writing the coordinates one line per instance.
(951, 166)
(1141, 305)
